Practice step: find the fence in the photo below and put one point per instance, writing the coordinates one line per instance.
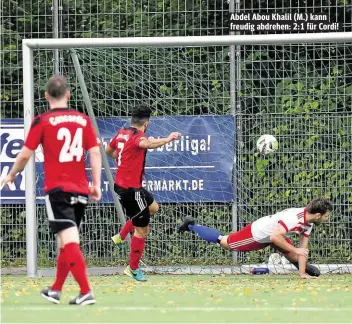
(299, 93)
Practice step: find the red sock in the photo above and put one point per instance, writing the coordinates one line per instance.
(77, 265)
(127, 228)
(62, 271)
(137, 247)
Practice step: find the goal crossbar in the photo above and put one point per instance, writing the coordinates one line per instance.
(175, 41)
(28, 45)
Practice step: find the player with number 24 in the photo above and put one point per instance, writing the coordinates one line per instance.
(65, 134)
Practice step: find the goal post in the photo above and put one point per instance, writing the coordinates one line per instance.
(105, 163)
(30, 186)
(162, 42)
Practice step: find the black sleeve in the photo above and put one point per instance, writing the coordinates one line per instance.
(36, 121)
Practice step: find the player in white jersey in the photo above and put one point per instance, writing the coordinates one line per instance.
(273, 231)
(293, 220)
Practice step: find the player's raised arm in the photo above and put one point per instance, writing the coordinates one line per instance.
(152, 143)
(277, 237)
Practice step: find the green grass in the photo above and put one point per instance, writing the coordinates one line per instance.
(185, 299)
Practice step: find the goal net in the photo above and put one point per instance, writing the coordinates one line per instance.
(190, 177)
(301, 94)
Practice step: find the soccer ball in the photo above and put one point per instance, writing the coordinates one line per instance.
(267, 144)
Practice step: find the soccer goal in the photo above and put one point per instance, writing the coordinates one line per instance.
(221, 93)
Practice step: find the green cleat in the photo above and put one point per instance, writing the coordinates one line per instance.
(135, 274)
(118, 241)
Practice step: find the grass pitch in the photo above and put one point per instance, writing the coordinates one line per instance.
(185, 299)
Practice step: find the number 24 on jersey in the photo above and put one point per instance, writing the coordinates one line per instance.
(72, 148)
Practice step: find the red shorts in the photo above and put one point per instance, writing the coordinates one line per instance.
(243, 241)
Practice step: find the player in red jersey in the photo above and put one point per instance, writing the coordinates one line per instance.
(129, 147)
(65, 135)
(273, 231)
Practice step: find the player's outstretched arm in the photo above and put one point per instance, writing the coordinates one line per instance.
(21, 161)
(277, 237)
(152, 143)
(95, 163)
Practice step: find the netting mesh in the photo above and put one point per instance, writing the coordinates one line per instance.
(301, 78)
(302, 95)
(314, 159)
(281, 94)
(172, 81)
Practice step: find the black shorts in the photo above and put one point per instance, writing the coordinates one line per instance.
(135, 201)
(65, 210)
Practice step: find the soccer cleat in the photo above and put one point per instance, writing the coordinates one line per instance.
(51, 295)
(83, 300)
(118, 241)
(310, 269)
(135, 274)
(183, 227)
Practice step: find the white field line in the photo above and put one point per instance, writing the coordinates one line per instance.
(187, 323)
(71, 287)
(183, 309)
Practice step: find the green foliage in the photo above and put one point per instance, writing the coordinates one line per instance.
(172, 81)
(314, 159)
(13, 235)
(123, 18)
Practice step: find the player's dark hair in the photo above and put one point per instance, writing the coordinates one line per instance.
(57, 86)
(140, 115)
(319, 205)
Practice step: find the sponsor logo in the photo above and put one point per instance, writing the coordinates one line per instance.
(11, 142)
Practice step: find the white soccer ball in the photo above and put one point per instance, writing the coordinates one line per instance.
(267, 144)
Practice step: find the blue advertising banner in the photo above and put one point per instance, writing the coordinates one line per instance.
(195, 168)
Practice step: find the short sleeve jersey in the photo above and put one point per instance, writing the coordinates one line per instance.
(65, 135)
(130, 157)
(293, 220)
